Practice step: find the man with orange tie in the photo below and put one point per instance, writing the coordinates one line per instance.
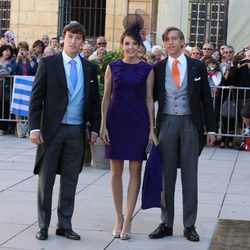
(185, 108)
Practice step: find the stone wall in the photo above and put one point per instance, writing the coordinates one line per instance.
(116, 10)
(30, 19)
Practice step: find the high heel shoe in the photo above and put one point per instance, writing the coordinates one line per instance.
(125, 233)
(118, 228)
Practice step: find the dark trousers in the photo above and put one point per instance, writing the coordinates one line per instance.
(65, 152)
(179, 148)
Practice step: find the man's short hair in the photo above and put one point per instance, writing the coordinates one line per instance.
(167, 30)
(75, 28)
(230, 47)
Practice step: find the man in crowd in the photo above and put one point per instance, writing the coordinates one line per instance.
(45, 39)
(207, 51)
(101, 42)
(185, 107)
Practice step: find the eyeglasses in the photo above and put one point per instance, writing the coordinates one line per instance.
(207, 49)
(102, 43)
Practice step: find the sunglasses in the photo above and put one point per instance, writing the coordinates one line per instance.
(101, 43)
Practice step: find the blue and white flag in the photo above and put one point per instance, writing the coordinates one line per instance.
(22, 86)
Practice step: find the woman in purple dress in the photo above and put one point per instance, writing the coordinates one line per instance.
(127, 121)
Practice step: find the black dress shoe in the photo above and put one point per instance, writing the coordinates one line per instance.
(191, 234)
(67, 233)
(42, 234)
(161, 232)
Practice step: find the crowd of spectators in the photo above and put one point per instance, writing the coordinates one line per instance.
(225, 67)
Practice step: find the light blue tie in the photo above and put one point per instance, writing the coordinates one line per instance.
(73, 73)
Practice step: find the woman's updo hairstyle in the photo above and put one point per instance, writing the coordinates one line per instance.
(133, 24)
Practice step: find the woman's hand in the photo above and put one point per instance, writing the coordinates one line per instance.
(105, 135)
(153, 138)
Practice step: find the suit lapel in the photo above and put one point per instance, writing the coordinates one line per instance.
(86, 77)
(61, 72)
(162, 79)
(190, 75)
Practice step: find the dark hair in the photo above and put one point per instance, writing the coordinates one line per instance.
(212, 60)
(75, 28)
(6, 47)
(23, 44)
(245, 111)
(167, 30)
(39, 43)
(135, 35)
(217, 50)
(133, 24)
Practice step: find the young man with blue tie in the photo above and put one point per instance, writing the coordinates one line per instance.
(64, 98)
(185, 107)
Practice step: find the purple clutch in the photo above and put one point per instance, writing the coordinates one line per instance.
(152, 180)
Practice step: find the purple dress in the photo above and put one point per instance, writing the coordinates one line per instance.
(127, 117)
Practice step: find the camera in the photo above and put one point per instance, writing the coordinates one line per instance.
(244, 61)
(23, 53)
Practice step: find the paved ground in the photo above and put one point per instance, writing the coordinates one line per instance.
(224, 193)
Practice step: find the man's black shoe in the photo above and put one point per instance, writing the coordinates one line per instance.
(42, 234)
(67, 233)
(191, 234)
(161, 232)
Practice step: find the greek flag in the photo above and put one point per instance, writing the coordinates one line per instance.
(22, 86)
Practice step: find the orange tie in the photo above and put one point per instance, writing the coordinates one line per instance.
(176, 73)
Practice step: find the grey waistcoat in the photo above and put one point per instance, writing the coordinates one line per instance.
(176, 101)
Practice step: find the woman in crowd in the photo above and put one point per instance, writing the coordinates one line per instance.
(87, 50)
(25, 63)
(214, 80)
(217, 55)
(38, 49)
(150, 57)
(243, 80)
(195, 52)
(158, 52)
(49, 52)
(127, 120)
(228, 69)
(6, 68)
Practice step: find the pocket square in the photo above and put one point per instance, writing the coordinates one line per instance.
(197, 79)
(91, 81)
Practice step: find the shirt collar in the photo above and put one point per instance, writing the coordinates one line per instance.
(67, 59)
(181, 59)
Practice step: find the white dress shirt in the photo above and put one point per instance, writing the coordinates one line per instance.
(182, 65)
(67, 65)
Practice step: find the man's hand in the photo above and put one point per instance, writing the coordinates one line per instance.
(210, 139)
(36, 137)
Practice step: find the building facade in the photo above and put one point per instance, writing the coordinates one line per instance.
(215, 21)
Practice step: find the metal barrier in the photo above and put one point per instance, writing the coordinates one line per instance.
(227, 125)
(6, 89)
(227, 102)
